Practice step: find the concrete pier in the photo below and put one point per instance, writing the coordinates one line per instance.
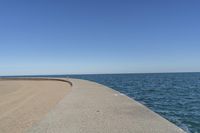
(89, 107)
(94, 108)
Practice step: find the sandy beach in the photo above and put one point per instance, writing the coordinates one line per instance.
(24, 102)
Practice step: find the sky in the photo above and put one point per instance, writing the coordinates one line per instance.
(99, 36)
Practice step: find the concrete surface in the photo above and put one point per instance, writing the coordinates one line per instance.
(93, 108)
(25, 102)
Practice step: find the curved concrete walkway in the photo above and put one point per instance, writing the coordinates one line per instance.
(93, 108)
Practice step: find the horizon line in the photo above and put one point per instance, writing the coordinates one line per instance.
(29, 75)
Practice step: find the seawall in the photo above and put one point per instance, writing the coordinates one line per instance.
(90, 107)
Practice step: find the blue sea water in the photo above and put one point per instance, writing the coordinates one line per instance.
(175, 96)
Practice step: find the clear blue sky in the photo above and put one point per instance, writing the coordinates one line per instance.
(99, 36)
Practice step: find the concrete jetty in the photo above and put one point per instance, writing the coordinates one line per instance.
(89, 107)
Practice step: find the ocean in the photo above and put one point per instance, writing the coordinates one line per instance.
(175, 96)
